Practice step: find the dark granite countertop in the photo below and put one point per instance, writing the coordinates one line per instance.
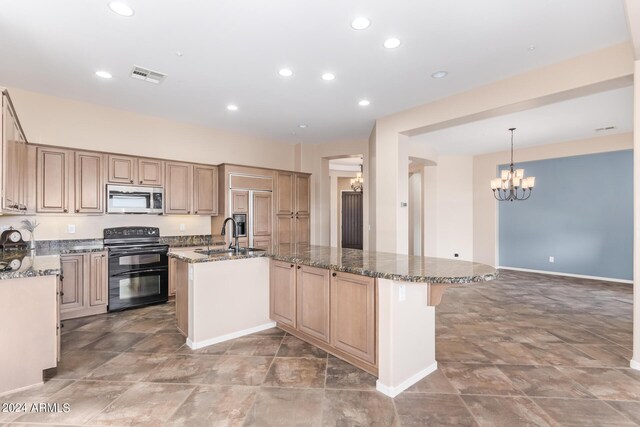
(66, 250)
(384, 265)
(20, 264)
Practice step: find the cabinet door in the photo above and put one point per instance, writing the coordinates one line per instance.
(353, 322)
(285, 229)
(122, 169)
(313, 301)
(173, 276)
(262, 214)
(303, 230)
(239, 201)
(262, 243)
(98, 279)
(284, 193)
(282, 295)
(52, 169)
(303, 196)
(205, 191)
(182, 296)
(89, 180)
(72, 286)
(178, 188)
(10, 166)
(150, 172)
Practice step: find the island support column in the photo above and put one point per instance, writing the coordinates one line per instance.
(406, 335)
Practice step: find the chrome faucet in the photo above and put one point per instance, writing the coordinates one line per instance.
(235, 233)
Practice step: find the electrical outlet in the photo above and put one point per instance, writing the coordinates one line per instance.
(552, 259)
(183, 227)
(71, 228)
(402, 293)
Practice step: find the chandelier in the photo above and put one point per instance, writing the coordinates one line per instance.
(357, 182)
(512, 185)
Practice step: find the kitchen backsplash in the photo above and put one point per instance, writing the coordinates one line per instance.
(173, 241)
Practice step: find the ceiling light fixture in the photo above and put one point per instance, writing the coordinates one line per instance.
(121, 9)
(103, 74)
(328, 76)
(357, 183)
(232, 107)
(392, 43)
(531, 48)
(363, 102)
(178, 53)
(360, 23)
(303, 126)
(505, 188)
(285, 72)
(439, 74)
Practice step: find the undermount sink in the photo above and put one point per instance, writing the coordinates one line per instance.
(242, 251)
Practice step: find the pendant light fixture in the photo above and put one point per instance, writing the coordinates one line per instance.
(357, 182)
(512, 185)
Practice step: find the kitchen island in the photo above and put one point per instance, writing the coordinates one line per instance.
(29, 331)
(374, 310)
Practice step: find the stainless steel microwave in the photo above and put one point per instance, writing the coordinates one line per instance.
(135, 200)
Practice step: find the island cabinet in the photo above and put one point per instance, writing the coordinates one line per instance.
(84, 284)
(179, 274)
(332, 310)
(292, 208)
(134, 170)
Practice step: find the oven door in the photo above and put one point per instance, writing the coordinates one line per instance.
(123, 260)
(138, 288)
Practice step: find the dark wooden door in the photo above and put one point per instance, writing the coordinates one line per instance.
(352, 220)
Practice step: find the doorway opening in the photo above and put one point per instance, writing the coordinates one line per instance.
(352, 219)
(346, 204)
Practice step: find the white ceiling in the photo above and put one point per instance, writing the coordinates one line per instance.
(233, 49)
(346, 164)
(570, 120)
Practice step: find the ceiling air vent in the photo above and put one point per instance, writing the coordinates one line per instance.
(147, 75)
(605, 128)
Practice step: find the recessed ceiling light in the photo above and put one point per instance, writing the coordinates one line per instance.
(531, 48)
(104, 74)
(232, 107)
(303, 126)
(328, 76)
(286, 72)
(178, 53)
(121, 8)
(439, 74)
(392, 43)
(360, 23)
(363, 102)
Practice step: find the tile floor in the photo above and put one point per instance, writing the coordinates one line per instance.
(524, 350)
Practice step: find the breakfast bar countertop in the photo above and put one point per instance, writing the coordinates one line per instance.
(20, 264)
(406, 268)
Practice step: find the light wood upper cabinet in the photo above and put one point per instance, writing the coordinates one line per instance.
(205, 191)
(282, 294)
(313, 301)
(150, 172)
(262, 214)
(353, 324)
(239, 201)
(99, 279)
(284, 193)
(178, 188)
(285, 231)
(303, 230)
(89, 182)
(122, 169)
(14, 167)
(53, 169)
(302, 195)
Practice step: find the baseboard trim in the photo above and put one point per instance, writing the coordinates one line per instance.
(634, 365)
(205, 343)
(579, 276)
(394, 391)
(27, 387)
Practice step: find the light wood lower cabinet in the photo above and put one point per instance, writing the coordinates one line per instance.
(313, 301)
(84, 284)
(332, 310)
(353, 302)
(181, 279)
(283, 293)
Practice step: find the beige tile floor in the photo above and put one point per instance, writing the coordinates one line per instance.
(524, 350)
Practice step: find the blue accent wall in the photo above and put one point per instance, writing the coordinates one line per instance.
(580, 212)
